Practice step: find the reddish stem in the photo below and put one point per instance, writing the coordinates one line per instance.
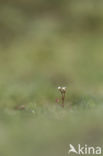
(63, 98)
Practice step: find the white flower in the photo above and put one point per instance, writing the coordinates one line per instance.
(59, 88)
(64, 88)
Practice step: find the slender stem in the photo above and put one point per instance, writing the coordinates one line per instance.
(63, 98)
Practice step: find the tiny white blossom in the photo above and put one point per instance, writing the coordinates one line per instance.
(63, 92)
(59, 88)
(64, 88)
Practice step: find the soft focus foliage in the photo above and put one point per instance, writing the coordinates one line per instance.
(44, 44)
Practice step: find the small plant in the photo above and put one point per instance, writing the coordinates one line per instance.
(63, 92)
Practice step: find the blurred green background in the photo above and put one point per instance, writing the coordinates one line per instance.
(45, 44)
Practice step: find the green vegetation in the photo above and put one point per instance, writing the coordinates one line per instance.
(44, 45)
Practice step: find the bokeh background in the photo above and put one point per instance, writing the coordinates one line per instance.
(45, 44)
